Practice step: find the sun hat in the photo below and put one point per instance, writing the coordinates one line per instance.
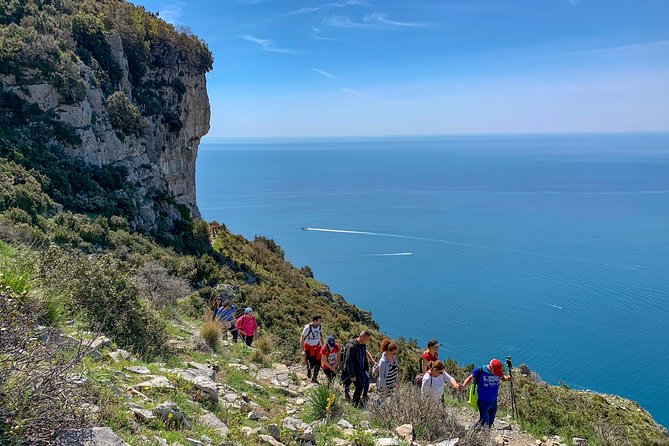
(248, 310)
(497, 367)
(433, 343)
(331, 341)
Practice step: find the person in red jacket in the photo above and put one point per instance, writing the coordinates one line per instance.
(247, 326)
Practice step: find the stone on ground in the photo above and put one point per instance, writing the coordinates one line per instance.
(405, 432)
(451, 442)
(201, 381)
(579, 441)
(344, 424)
(171, 415)
(269, 440)
(387, 442)
(211, 420)
(159, 382)
(139, 369)
(95, 436)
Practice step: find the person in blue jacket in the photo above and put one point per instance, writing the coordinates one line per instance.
(487, 378)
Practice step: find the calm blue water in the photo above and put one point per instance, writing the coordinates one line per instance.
(551, 249)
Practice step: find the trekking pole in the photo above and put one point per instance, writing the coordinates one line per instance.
(514, 409)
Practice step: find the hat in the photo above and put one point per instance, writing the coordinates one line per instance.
(497, 367)
(432, 343)
(248, 310)
(331, 341)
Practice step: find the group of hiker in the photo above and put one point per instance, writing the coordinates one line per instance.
(357, 366)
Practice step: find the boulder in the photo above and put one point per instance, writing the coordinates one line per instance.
(273, 430)
(201, 382)
(142, 414)
(118, 355)
(249, 431)
(253, 415)
(451, 442)
(140, 370)
(268, 439)
(101, 342)
(344, 424)
(308, 434)
(159, 382)
(203, 369)
(211, 420)
(341, 442)
(387, 442)
(95, 436)
(171, 415)
(405, 432)
(293, 424)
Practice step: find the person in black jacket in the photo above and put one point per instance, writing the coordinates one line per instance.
(355, 367)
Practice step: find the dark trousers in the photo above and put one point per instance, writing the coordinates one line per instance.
(248, 339)
(487, 412)
(330, 374)
(313, 366)
(361, 385)
(235, 334)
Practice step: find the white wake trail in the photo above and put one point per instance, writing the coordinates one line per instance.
(391, 254)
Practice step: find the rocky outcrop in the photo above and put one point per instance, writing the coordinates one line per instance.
(160, 156)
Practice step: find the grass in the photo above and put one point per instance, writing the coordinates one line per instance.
(211, 333)
(323, 402)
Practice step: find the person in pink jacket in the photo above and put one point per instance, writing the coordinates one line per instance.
(247, 326)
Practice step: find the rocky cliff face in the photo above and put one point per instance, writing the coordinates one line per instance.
(159, 157)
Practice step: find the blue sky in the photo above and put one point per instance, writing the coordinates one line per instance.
(412, 67)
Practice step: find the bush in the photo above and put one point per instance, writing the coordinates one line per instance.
(323, 402)
(430, 419)
(158, 286)
(211, 334)
(100, 291)
(38, 396)
(266, 344)
(123, 114)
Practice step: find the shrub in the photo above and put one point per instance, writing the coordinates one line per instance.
(123, 114)
(266, 344)
(362, 438)
(323, 402)
(430, 419)
(38, 395)
(158, 286)
(100, 291)
(211, 334)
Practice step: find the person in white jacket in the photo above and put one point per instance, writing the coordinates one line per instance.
(435, 379)
(388, 368)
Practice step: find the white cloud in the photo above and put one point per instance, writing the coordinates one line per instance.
(171, 11)
(377, 17)
(266, 44)
(324, 73)
(316, 34)
(354, 92)
(342, 21)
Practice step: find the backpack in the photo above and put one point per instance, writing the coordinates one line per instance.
(344, 355)
(474, 392)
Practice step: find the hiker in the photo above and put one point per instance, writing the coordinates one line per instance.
(435, 379)
(215, 305)
(388, 368)
(431, 354)
(355, 368)
(311, 342)
(487, 379)
(226, 317)
(247, 326)
(330, 358)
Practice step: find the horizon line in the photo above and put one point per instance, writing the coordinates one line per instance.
(207, 138)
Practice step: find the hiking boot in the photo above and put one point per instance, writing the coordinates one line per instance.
(308, 373)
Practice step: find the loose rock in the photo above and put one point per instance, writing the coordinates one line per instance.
(211, 420)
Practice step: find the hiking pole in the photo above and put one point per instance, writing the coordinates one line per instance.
(514, 409)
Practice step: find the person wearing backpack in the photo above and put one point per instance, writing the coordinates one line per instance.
(355, 368)
(226, 317)
(431, 354)
(487, 378)
(330, 358)
(247, 326)
(311, 341)
(435, 379)
(388, 369)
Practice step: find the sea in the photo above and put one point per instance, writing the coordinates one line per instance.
(552, 249)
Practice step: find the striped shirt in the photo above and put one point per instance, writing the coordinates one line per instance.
(226, 315)
(391, 377)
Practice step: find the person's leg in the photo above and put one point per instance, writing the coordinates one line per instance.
(315, 368)
(357, 393)
(492, 411)
(249, 340)
(330, 375)
(345, 380)
(365, 389)
(234, 333)
(484, 412)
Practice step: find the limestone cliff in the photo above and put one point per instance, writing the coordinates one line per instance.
(145, 112)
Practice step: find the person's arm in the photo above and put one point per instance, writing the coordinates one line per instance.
(370, 357)
(383, 371)
(469, 379)
(507, 378)
(324, 361)
(449, 378)
(240, 326)
(423, 385)
(349, 362)
(302, 338)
